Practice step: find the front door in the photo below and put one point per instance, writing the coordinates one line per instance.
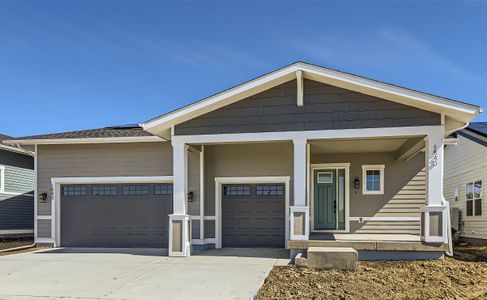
(325, 200)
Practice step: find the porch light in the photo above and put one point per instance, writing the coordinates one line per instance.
(356, 183)
(190, 197)
(42, 197)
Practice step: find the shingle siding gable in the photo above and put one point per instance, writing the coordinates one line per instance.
(325, 107)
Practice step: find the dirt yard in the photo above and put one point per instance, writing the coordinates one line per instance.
(6, 243)
(461, 277)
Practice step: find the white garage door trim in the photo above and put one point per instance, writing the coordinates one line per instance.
(220, 181)
(56, 194)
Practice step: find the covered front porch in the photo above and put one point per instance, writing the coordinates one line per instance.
(373, 189)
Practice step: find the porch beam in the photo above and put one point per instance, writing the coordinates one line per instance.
(410, 148)
(313, 134)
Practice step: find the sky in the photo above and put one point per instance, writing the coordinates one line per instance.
(73, 65)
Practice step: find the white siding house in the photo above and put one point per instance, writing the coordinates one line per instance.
(465, 177)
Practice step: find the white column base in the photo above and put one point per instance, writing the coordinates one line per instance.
(299, 217)
(179, 235)
(434, 227)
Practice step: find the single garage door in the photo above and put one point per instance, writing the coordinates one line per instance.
(116, 215)
(253, 215)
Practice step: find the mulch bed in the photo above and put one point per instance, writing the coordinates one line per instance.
(461, 277)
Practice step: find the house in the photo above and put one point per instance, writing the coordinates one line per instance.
(465, 177)
(301, 156)
(16, 190)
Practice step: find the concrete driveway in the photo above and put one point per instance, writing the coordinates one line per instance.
(136, 274)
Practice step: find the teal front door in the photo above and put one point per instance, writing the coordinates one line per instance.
(325, 199)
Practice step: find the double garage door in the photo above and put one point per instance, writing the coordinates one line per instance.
(253, 215)
(116, 215)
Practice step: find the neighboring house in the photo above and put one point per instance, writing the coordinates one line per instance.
(301, 156)
(465, 179)
(16, 190)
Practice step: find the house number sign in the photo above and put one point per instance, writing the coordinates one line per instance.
(434, 160)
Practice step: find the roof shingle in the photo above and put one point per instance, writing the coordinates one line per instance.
(106, 132)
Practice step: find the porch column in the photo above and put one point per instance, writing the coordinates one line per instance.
(299, 212)
(179, 220)
(433, 216)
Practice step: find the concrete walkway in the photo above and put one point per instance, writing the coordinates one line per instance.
(136, 274)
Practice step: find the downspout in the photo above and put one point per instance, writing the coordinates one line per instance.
(448, 229)
(447, 204)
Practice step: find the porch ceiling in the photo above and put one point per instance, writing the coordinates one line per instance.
(358, 146)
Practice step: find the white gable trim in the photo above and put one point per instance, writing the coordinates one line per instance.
(458, 110)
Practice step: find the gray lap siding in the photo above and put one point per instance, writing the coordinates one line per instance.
(97, 160)
(325, 107)
(17, 203)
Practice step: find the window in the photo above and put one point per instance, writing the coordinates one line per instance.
(270, 190)
(135, 190)
(74, 190)
(236, 190)
(104, 190)
(325, 177)
(2, 178)
(163, 189)
(473, 193)
(373, 179)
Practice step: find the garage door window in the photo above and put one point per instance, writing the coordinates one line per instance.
(135, 190)
(74, 191)
(270, 190)
(163, 189)
(104, 190)
(236, 190)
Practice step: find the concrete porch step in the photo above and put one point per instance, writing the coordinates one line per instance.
(341, 258)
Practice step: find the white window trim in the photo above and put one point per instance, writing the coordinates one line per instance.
(474, 198)
(366, 168)
(2, 178)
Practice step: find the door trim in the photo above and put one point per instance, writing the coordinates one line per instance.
(319, 166)
(220, 181)
(56, 183)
